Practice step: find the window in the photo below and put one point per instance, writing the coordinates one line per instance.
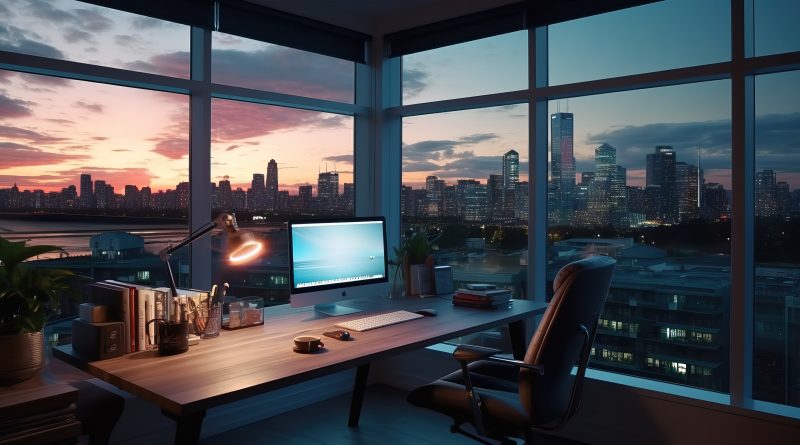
(465, 183)
(263, 66)
(82, 32)
(776, 362)
(269, 164)
(658, 36)
(647, 185)
(490, 65)
(775, 27)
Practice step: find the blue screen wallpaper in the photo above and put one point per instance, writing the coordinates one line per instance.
(330, 253)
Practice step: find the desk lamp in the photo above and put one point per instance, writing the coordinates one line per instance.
(241, 246)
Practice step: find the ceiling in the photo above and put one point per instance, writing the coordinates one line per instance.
(379, 17)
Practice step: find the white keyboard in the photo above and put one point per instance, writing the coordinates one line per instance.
(378, 321)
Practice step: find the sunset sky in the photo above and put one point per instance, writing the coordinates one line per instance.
(52, 130)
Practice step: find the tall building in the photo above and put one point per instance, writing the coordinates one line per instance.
(471, 199)
(131, 197)
(101, 197)
(328, 189)
(224, 197)
(256, 198)
(434, 196)
(562, 169)
(686, 186)
(766, 194)
(660, 171)
(495, 199)
(271, 198)
(87, 195)
(182, 190)
(510, 181)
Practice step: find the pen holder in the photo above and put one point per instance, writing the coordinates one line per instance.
(214, 321)
(171, 338)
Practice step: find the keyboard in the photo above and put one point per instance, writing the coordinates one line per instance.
(378, 321)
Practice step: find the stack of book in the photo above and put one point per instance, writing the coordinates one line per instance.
(44, 414)
(482, 296)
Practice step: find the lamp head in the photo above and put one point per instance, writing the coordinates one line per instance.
(242, 245)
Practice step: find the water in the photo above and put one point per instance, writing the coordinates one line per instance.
(74, 237)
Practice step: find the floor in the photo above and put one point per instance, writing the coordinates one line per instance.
(385, 419)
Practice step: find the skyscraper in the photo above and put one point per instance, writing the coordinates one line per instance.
(327, 189)
(256, 199)
(660, 171)
(271, 198)
(434, 189)
(101, 194)
(562, 168)
(510, 181)
(86, 196)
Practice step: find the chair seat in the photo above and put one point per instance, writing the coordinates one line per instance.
(495, 383)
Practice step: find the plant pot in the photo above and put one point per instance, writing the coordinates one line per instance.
(22, 356)
(421, 279)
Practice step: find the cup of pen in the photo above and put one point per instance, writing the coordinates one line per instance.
(171, 337)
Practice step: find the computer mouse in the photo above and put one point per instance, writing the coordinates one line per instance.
(338, 334)
(426, 312)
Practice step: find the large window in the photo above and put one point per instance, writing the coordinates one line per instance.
(82, 32)
(643, 176)
(776, 362)
(269, 164)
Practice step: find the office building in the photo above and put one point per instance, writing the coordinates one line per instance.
(660, 172)
(562, 168)
(271, 185)
(87, 194)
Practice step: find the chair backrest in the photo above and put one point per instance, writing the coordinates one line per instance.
(580, 289)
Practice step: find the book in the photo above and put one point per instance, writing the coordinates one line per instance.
(480, 286)
(135, 317)
(482, 300)
(483, 293)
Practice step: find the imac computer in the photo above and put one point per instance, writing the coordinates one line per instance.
(337, 259)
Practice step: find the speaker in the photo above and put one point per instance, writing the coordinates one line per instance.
(443, 280)
(98, 341)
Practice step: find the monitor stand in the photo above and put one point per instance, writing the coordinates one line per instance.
(335, 310)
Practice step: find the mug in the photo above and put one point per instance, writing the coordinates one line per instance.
(171, 338)
(307, 343)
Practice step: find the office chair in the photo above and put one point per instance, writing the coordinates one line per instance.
(505, 398)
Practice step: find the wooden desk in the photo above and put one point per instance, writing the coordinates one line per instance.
(239, 364)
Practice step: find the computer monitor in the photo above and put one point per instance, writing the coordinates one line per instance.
(337, 259)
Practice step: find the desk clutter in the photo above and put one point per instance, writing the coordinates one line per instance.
(121, 318)
(480, 295)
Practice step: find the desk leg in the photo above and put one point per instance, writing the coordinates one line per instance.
(516, 330)
(188, 427)
(359, 388)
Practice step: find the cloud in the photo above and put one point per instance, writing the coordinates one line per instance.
(285, 70)
(146, 23)
(174, 64)
(172, 148)
(232, 147)
(91, 19)
(18, 155)
(346, 159)
(234, 121)
(73, 35)
(12, 108)
(18, 40)
(116, 177)
(27, 135)
(415, 80)
(438, 150)
(97, 108)
(62, 122)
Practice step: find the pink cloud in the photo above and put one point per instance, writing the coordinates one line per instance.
(232, 121)
(18, 155)
(172, 148)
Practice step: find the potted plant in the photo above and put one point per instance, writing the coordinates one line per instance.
(27, 295)
(414, 261)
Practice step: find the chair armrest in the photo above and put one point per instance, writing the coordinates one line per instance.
(519, 364)
(471, 353)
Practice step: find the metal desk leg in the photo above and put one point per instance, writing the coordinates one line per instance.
(188, 427)
(359, 388)
(516, 330)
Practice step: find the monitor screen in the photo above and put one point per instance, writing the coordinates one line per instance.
(336, 259)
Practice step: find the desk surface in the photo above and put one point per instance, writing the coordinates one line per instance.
(250, 361)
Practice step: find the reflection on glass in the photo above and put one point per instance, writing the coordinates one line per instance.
(658, 36)
(84, 168)
(82, 32)
(264, 66)
(465, 184)
(270, 164)
(644, 177)
(490, 65)
(776, 26)
(776, 356)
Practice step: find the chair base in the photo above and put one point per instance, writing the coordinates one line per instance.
(456, 429)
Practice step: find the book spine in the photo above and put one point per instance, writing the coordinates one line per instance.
(141, 341)
(150, 313)
(132, 321)
(126, 321)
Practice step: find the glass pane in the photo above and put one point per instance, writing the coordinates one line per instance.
(83, 168)
(263, 66)
(776, 356)
(648, 185)
(776, 26)
(491, 65)
(465, 184)
(72, 30)
(653, 37)
(269, 164)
